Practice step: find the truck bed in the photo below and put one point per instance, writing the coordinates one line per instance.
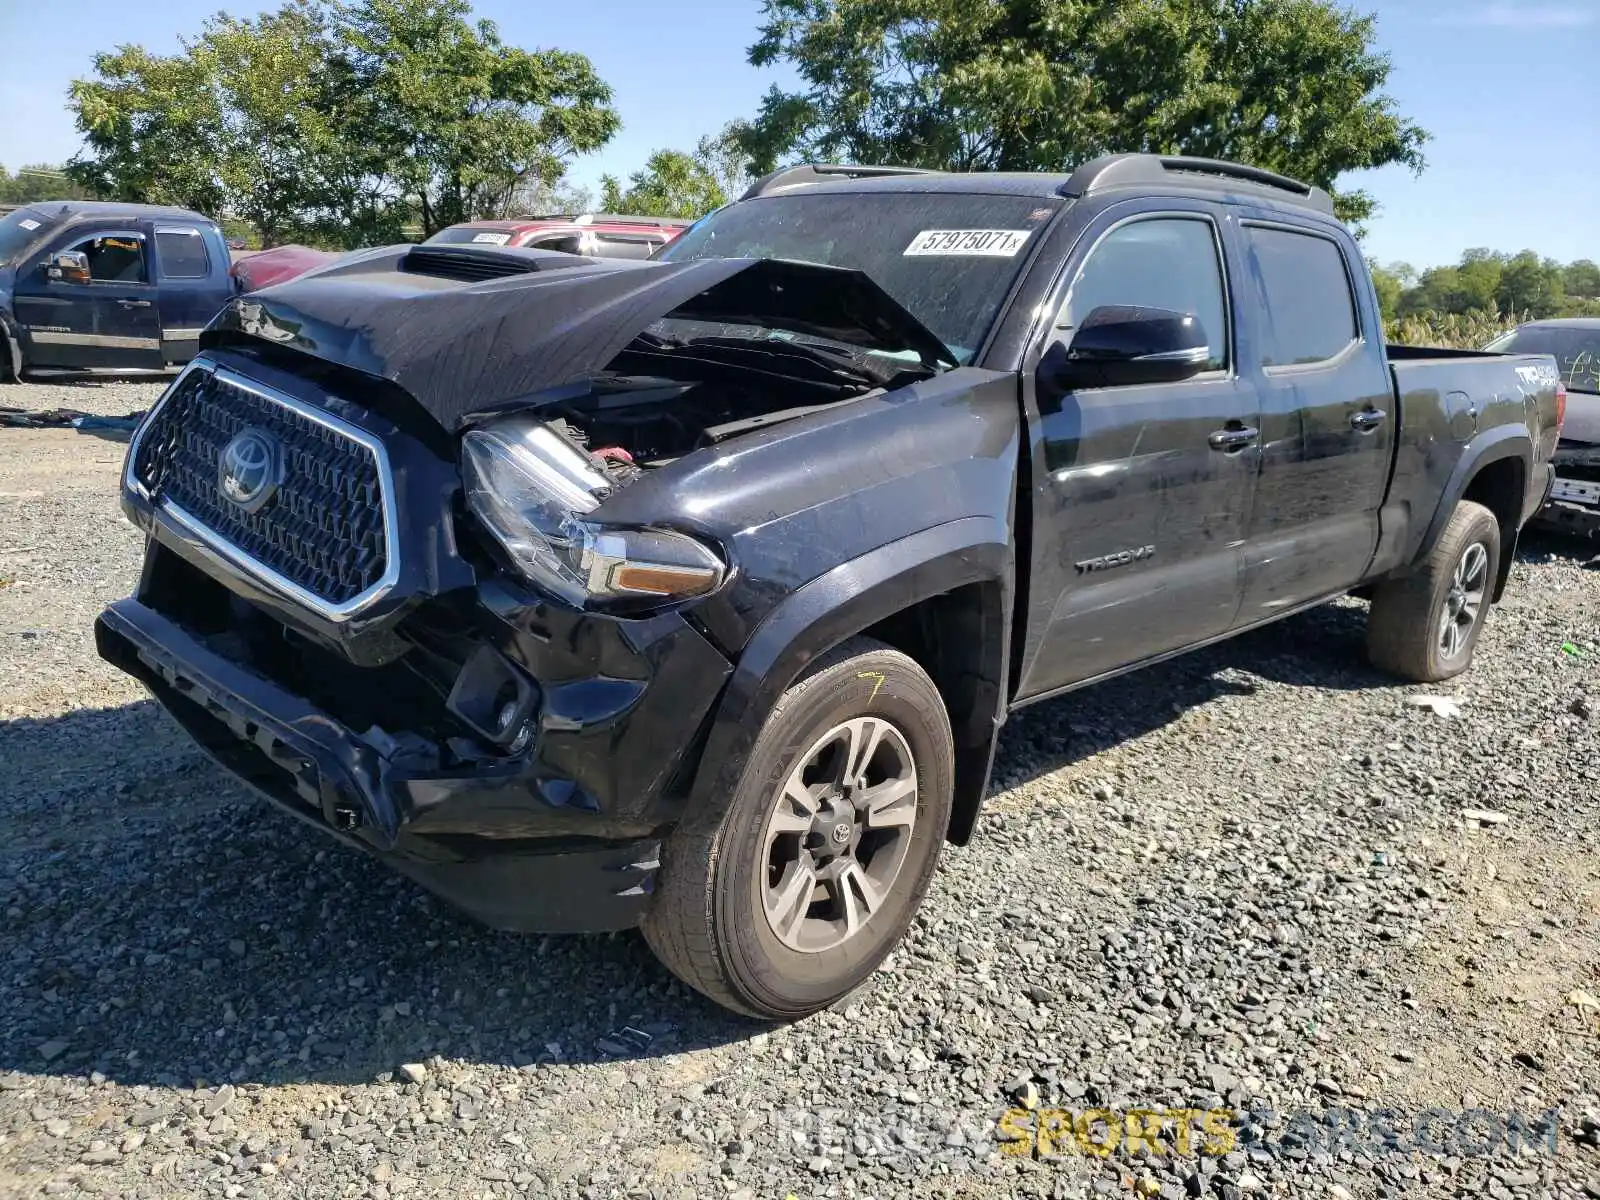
(1444, 399)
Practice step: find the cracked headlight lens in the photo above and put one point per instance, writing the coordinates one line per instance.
(533, 491)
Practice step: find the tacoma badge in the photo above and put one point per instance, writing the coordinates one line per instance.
(1120, 558)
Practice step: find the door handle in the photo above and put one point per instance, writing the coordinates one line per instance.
(1234, 438)
(1367, 419)
(134, 303)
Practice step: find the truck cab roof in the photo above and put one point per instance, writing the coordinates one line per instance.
(88, 210)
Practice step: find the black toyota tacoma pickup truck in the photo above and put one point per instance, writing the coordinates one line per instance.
(691, 594)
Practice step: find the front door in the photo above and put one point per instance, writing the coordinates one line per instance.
(111, 321)
(1142, 491)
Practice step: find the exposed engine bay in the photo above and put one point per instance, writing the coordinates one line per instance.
(664, 398)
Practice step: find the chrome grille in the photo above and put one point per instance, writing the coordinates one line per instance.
(323, 531)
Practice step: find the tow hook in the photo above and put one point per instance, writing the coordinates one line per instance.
(346, 819)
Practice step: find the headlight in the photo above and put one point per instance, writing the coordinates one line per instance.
(531, 489)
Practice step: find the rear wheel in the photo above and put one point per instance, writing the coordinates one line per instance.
(1425, 625)
(794, 897)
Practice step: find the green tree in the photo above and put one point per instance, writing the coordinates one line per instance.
(723, 154)
(151, 125)
(672, 184)
(1530, 285)
(1390, 287)
(1404, 272)
(1291, 85)
(1581, 278)
(461, 119)
(339, 123)
(1495, 286)
(285, 162)
(40, 181)
(536, 197)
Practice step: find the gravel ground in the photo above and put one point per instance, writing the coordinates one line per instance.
(1251, 878)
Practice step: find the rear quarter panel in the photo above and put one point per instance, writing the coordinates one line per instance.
(1457, 415)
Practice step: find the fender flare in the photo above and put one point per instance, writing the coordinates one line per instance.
(1506, 441)
(831, 609)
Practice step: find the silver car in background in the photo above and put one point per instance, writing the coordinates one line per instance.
(1574, 503)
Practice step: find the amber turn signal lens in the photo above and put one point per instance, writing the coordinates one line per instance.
(662, 581)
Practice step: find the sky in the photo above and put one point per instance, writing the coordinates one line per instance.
(1506, 88)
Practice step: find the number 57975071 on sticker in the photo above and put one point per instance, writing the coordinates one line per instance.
(983, 243)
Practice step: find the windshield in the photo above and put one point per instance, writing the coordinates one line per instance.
(948, 258)
(18, 231)
(1576, 351)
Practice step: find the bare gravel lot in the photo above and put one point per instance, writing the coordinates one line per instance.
(1258, 878)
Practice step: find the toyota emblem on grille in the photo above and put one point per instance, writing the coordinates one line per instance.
(249, 469)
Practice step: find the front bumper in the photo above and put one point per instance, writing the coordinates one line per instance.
(467, 838)
(383, 725)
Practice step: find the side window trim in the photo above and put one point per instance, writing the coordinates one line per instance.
(144, 254)
(1359, 340)
(1229, 368)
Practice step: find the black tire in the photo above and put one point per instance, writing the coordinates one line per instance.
(11, 364)
(709, 925)
(1405, 631)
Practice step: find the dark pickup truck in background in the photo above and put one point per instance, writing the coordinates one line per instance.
(91, 285)
(692, 593)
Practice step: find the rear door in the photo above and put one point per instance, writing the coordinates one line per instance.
(109, 322)
(190, 293)
(1139, 505)
(1327, 415)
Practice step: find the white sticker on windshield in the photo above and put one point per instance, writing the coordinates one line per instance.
(980, 243)
(492, 239)
(28, 223)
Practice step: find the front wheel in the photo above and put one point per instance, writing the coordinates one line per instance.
(1424, 626)
(11, 364)
(827, 847)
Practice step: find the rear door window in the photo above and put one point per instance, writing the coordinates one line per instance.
(182, 253)
(1310, 304)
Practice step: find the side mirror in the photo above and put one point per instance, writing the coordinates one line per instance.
(67, 266)
(1118, 345)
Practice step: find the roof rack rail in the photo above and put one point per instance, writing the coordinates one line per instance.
(615, 219)
(817, 172)
(1115, 170)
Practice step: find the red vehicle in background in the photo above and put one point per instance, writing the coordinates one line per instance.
(257, 269)
(595, 235)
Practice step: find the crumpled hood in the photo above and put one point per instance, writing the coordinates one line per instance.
(462, 346)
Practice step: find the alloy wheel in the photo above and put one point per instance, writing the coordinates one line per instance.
(838, 834)
(1464, 601)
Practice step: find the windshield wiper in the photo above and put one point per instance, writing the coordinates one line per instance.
(836, 361)
(827, 365)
